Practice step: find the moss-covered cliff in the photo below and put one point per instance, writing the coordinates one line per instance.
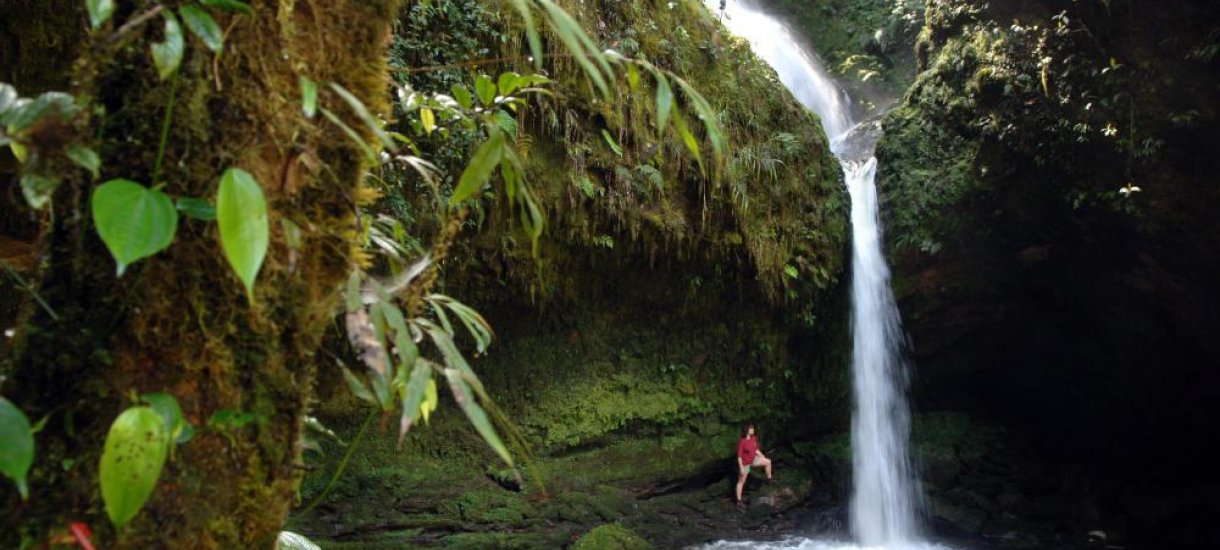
(1049, 202)
(669, 304)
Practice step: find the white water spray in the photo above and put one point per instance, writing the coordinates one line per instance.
(884, 504)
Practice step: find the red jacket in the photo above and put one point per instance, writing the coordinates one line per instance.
(747, 448)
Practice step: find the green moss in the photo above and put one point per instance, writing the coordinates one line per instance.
(611, 537)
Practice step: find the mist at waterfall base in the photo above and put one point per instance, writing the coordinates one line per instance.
(885, 505)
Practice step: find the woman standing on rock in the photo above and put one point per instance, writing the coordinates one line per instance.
(748, 455)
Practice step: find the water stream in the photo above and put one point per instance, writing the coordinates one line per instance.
(884, 509)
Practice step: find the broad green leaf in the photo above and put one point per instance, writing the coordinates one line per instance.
(197, 208)
(133, 221)
(462, 96)
(132, 459)
(245, 233)
(167, 55)
(309, 97)
(428, 118)
(508, 83)
(480, 168)
(665, 102)
(85, 158)
(229, 5)
(202, 25)
(16, 446)
(166, 405)
(485, 89)
(478, 418)
(414, 395)
(27, 113)
(99, 11)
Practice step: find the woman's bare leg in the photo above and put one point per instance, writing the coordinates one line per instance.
(741, 483)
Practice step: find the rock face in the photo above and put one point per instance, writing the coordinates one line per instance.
(670, 305)
(1050, 209)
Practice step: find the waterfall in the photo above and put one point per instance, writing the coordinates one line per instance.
(884, 505)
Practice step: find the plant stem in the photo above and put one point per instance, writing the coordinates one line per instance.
(334, 478)
(169, 116)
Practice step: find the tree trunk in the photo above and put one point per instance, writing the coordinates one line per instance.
(180, 322)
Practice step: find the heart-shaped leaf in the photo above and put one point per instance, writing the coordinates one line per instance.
(167, 55)
(134, 221)
(241, 210)
(132, 459)
(203, 26)
(17, 448)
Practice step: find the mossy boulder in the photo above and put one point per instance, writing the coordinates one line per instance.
(611, 537)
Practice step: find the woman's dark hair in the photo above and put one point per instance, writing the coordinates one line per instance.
(746, 430)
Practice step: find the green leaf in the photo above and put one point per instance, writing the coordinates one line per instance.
(132, 459)
(692, 144)
(706, 114)
(531, 31)
(357, 387)
(167, 55)
(508, 83)
(582, 48)
(309, 97)
(480, 168)
(665, 101)
(85, 158)
(462, 96)
(245, 233)
(99, 11)
(26, 113)
(166, 405)
(370, 155)
(614, 146)
(16, 446)
(197, 208)
(485, 89)
(353, 299)
(428, 119)
(478, 418)
(202, 25)
(362, 111)
(431, 400)
(229, 5)
(37, 188)
(134, 221)
(413, 396)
